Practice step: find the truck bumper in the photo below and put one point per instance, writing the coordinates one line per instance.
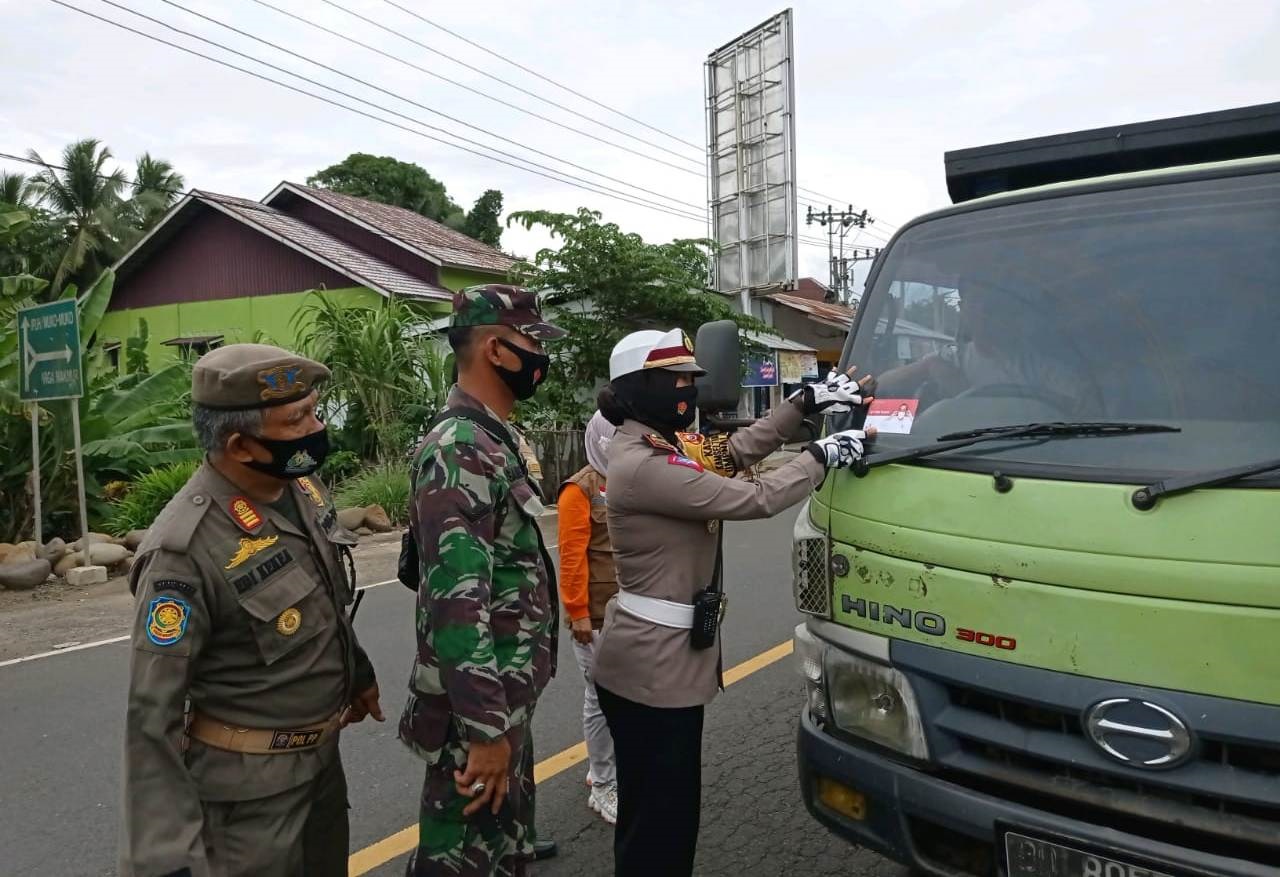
(938, 827)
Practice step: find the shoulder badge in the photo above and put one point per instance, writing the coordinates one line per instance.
(307, 486)
(244, 514)
(658, 443)
(248, 548)
(167, 620)
(690, 438)
(679, 460)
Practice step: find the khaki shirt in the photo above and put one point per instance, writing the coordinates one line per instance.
(244, 615)
(663, 509)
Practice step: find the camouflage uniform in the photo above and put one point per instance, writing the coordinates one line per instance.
(486, 622)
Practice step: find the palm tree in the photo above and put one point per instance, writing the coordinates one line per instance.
(89, 198)
(15, 189)
(156, 188)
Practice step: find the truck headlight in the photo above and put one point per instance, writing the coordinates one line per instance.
(873, 701)
(811, 566)
(810, 655)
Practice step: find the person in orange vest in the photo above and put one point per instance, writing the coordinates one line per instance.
(587, 582)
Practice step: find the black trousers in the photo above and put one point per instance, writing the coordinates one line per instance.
(659, 754)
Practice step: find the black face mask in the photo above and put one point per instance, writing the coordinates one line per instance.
(524, 382)
(668, 407)
(293, 458)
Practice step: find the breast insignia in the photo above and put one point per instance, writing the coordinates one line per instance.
(248, 548)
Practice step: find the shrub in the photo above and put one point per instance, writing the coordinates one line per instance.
(386, 485)
(138, 508)
(339, 466)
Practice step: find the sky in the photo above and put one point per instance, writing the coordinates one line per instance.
(882, 91)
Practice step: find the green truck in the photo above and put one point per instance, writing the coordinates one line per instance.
(1043, 618)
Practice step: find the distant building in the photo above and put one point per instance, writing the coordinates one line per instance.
(219, 270)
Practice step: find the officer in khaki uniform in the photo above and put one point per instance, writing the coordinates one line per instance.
(245, 664)
(668, 492)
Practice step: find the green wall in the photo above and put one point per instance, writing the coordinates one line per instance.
(239, 319)
(460, 278)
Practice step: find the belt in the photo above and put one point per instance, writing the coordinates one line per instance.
(258, 741)
(651, 609)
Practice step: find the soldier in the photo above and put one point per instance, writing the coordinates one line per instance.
(245, 664)
(486, 600)
(657, 664)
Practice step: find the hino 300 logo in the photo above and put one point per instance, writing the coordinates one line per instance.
(925, 622)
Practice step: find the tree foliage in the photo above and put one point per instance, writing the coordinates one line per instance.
(390, 181)
(484, 221)
(607, 283)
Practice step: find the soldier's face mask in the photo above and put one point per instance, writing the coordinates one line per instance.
(523, 382)
(292, 458)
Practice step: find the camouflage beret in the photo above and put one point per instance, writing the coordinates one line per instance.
(497, 304)
(242, 376)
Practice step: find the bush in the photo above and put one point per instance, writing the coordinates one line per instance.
(147, 497)
(338, 466)
(386, 485)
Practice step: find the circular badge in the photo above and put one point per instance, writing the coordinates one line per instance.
(289, 621)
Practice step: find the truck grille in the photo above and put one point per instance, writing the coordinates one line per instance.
(1022, 745)
(811, 564)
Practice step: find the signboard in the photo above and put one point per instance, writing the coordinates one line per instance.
(796, 368)
(49, 350)
(751, 158)
(762, 370)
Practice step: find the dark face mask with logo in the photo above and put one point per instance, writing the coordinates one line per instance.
(292, 458)
(523, 382)
(656, 401)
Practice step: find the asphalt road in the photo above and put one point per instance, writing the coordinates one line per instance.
(60, 743)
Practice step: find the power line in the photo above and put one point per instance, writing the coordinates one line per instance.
(476, 91)
(832, 200)
(544, 78)
(398, 96)
(556, 176)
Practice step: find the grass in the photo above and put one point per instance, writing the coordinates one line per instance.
(386, 485)
(148, 496)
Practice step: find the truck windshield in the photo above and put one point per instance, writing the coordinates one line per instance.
(1154, 304)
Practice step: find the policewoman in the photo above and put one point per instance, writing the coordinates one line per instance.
(657, 661)
(244, 663)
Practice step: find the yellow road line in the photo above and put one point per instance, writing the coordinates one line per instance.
(402, 842)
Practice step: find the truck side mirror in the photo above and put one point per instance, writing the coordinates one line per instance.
(719, 351)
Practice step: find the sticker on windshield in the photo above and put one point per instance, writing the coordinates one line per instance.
(892, 415)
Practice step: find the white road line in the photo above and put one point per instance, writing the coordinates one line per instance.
(119, 639)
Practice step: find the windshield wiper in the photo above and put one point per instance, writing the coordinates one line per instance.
(954, 440)
(1144, 498)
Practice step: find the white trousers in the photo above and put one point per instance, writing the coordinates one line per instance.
(603, 766)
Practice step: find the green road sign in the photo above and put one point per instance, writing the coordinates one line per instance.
(49, 345)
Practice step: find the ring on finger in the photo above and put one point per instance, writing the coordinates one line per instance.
(478, 789)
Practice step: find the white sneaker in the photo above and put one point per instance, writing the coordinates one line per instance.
(604, 800)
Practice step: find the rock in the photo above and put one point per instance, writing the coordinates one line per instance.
(362, 531)
(351, 519)
(123, 568)
(107, 554)
(96, 539)
(53, 550)
(376, 519)
(24, 575)
(6, 548)
(88, 575)
(67, 563)
(21, 551)
(134, 538)
(28, 545)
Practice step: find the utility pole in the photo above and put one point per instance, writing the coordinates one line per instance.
(838, 224)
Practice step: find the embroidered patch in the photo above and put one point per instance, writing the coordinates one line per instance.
(295, 739)
(263, 571)
(167, 620)
(289, 621)
(659, 443)
(280, 382)
(174, 585)
(690, 438)
(309, 488)
(248, 548)
(300, 462)
(677, 460)
(245, 515)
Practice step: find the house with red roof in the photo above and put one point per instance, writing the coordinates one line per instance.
(220, 269)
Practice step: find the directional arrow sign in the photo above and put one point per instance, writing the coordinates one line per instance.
(49, 338)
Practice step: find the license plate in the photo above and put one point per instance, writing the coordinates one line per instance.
(1033, 857)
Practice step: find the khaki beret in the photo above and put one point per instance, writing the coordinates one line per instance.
(242, 376)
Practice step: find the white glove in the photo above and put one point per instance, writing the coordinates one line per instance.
(839, 450)
(836, 395)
